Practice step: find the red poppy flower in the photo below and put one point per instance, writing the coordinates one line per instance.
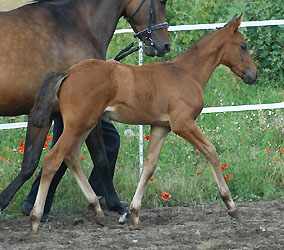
(230, 176)
(267, 150)
(281, 150)
(48, 139)
(21, 150)
(225, 178)
(6, 160)
(1, 156)
(213, 106)
(22, 144)
(197, 150)
(118, 155)
(45, 145)
(147, 137)
(82, 158)
(164, 196)
(198, 171)
(224, 166)
(152, 178)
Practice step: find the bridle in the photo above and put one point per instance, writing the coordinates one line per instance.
(152, 24)
(148, 41)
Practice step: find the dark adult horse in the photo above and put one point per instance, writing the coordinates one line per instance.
(52, 36)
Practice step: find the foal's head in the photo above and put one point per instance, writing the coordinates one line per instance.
(148, 19)
(236, 54)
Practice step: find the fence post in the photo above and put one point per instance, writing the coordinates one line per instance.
(141, 158)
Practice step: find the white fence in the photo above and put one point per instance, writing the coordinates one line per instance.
(205, 110)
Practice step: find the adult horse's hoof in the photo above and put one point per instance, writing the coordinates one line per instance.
(124, 217)
(234, 214)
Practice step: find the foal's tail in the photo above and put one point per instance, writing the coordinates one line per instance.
(46, 102)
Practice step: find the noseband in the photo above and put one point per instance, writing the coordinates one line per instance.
(152, 24)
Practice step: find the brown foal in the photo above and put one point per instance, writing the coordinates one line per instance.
(167, 95)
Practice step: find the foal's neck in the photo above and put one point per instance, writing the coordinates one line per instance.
(203, 57)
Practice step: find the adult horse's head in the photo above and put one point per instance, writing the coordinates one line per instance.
(154, 35)
(236, 54)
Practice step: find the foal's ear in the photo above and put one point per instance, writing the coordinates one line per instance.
(235, 23)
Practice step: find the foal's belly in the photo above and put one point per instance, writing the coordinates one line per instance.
(135, 117)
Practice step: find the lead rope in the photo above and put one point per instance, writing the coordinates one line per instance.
(126, 51)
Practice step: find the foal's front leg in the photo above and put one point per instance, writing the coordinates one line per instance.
(157, 139)
(192, 134)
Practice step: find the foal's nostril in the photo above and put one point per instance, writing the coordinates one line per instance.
(167, 47)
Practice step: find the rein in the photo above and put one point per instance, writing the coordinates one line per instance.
(123, 53)
(147, 32)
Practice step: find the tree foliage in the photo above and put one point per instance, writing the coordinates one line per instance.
(267, 42)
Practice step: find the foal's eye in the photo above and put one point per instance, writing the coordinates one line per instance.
(163, 1)
(243, 46)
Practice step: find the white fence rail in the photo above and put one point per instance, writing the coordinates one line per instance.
(199, 27)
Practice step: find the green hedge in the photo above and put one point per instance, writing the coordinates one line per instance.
(267, 42)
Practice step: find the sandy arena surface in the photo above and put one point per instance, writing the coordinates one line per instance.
(261, 226)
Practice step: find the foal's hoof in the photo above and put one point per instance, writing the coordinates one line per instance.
(124, 217)
(234, 214)
(32, 232)
(134, 227)
(99, 218)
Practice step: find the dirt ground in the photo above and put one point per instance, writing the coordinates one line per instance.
(261, 226)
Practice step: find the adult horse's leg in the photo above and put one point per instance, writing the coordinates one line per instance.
(111, 141)
(96, 147)
(157, 138)
(192, 134)
(52, 161)
(35, 139)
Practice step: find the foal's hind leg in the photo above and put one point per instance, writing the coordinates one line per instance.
(52, 161)
(96, 147)
(157, 139)
(73, 163)
(192, 134)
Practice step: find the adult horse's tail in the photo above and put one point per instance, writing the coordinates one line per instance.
(46, 102)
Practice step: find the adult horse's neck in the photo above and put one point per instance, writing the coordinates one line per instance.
(203, 57)
(98, 18)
